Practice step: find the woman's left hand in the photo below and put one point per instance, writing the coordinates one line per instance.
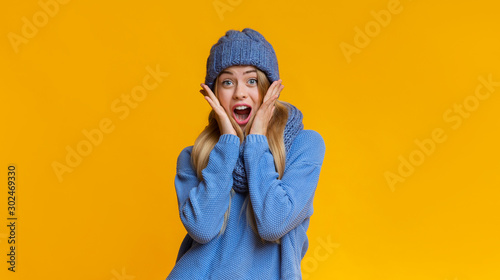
(266, 109)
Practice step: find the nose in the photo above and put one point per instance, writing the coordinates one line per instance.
(240, 92)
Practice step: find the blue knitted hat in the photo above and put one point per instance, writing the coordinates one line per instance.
(247, 47)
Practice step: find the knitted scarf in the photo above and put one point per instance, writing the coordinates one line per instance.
(292, 128)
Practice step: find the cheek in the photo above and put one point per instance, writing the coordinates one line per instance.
(225, 105)
(255, 109)
(256, 98)
(224, 100)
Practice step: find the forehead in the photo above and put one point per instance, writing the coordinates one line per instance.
(237, 70)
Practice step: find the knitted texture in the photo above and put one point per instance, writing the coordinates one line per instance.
(282, 209)
(247, 47)
(292, 128)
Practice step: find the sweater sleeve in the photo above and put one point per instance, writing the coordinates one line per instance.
(202, 204)
(282, 204)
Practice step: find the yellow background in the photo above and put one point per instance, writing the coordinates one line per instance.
(115, 215)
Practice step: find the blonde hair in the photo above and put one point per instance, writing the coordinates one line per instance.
(207, 139)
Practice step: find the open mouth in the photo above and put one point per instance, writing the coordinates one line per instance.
(242, 114)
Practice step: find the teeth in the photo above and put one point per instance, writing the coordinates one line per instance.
(241, 107)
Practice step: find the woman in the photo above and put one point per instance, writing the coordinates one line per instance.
(254, 157)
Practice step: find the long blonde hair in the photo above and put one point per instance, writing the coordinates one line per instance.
(207, 139)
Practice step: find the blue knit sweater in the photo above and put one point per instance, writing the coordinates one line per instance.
(282, 209)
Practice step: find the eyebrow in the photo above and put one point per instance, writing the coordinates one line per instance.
(231, 73)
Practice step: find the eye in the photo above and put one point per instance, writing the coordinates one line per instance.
(255, 81)
(224, 82)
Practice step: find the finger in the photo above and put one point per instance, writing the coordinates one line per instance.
(278, 88)
(212, 103)
(276, 92)
(209, 102)
(210, 94)
(271, 90)
(219, 110)
(269, 103)
(207, 90)
(207, 96)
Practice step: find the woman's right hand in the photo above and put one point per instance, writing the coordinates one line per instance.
(221, 116)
